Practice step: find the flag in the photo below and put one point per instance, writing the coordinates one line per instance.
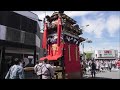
(44, 41)
(59, 29)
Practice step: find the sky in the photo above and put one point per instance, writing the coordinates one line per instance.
(103, 29)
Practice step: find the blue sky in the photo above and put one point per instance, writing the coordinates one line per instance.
(103, 29)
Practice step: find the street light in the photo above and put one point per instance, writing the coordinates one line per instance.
(39, 20)
(85, 26)
(88, 41)
(81, 27)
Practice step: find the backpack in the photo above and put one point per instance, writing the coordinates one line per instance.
(47, 69)
(49, 72)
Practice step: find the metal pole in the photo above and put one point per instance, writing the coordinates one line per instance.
(45, 13)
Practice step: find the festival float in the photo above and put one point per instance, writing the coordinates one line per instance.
(61, 39)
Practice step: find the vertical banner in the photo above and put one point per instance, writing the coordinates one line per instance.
(44, 41)
(59, 29)
(69, 51)
(76, 49)
(71, 65)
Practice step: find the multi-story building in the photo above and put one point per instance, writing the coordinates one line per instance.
(20, 37)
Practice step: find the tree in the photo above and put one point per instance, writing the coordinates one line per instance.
(88, 55)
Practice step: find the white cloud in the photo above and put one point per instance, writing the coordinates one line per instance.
(96, 26)
(100, 44)
(101, 47)
(41, 14)
(78, 13)
(98, 23)
(108, 45)
(101, 15)
(113, 24)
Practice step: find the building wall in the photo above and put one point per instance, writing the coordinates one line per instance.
(28, 14)
(21, 33)
(19, 37)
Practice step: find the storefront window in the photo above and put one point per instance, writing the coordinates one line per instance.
(28, 60)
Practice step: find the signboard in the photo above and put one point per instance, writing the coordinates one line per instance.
(108, 53)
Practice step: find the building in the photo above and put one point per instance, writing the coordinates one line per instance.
(20, 37)
(106, 54)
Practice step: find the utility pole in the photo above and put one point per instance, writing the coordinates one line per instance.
(83, 51)
(88, 41)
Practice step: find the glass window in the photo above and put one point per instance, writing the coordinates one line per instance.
(17, 21)
(28, 25)
(29, 38)
(13, 35)
(10, 19)
(3, 17)
(13, 20)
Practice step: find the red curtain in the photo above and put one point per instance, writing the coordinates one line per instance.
(59, 29)
(54, 54)
(57, 51)
(72, 65)
(44, 41)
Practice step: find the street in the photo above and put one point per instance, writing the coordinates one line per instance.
(114, 74)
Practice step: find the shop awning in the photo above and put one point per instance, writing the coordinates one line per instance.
(50, 58)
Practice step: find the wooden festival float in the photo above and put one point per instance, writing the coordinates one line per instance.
(61, 39)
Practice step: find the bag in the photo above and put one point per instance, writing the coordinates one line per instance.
(40, 76)
(49, 72)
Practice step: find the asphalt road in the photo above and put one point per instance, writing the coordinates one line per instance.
(114, 74)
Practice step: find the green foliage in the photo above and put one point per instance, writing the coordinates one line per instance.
(88, 55)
